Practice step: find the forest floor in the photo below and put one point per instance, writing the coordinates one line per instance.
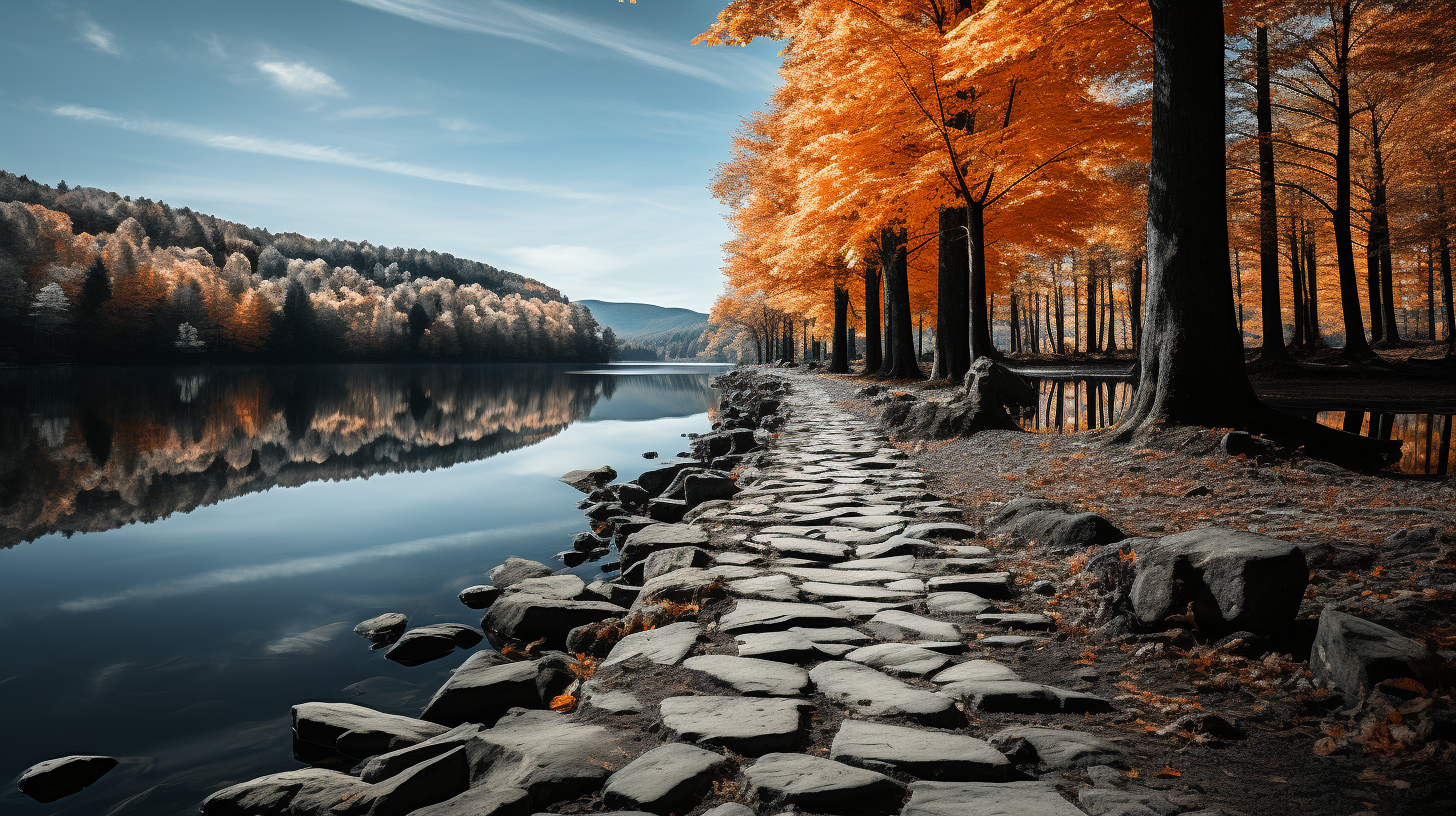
(1300, 753)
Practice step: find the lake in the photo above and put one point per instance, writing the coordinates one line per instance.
(184, 551)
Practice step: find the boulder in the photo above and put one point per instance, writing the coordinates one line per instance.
(549, 756)
(480, 596)
(982, 403)
(588, 480)
(666, 645)
(620, 594)
(1352, 655)
(689, 583)
(57, 778)
(566, 587)
(664, 561)
(1236, 580)
(431, 642)
(870, 693)
(382, 629)
(483, 689)
(482, 802)
(658, 479)
(917, 752)
(820, 785)
(703, 487)
(744, 725)
(1059, 749)
(518, 569)
(667, 511)
(752, 677)
(670, 778)
(1051, 525)
(358, 732)
(988, 798)
(384, 766)
(304, 791)
(655, 537)
(526, 618)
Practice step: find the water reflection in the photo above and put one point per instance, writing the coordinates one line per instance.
(1426, 438)
(1070, 406)
(83, 450)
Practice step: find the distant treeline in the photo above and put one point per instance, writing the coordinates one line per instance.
(89, 275)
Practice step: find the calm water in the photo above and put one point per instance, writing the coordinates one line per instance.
(1072, 406)
(184, 552)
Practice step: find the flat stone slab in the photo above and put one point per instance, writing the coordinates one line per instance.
(809, 549)
(751, 676)
(858, 537)
(484, 688)
(917, 752)
(958, 603)
(834, 634)
(876, 523)
(893, 563)
(820, 785)
(958, 564)
(836, 576)
(987, 799)
(941, 529)
(565, 587)
(977, 670)
(820, 591)
(1009, 641)
(763, 616)
(994, 585)
(1026, 621)
(868, 609)
(786, 647)
(917, 625)
(666, 645)
(776, 587)
(655, 537)
(898, 545)
(669, 778)
(744, 725)
(872, 693)
(1023, 698)
(356, 731)
(914, 585)
(1059, 749)
(899, 658)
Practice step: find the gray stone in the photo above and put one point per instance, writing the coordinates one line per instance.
(987, 799)
(898, 545)
(1132, 801)
(730, 809)
(668, 779)
(658, 479)
(1008, 641)
(526, 618)
(752, 677)
(384, 628)
(763, 616)
(744, 725)
(358, 732)
(515, 570)
(654, 537)
(862, 537)
(384, 766)
(868, 609)
(910, 624)
(899, 658)
(432, 642)
(871, 693)
(834, 634)
(703, 487)
(993, 585)
(1050, 524)
(1351, 655)
(787, 647)
(893, 563)
(958, 603)
(588, 480)
(875, 523)
(549, 756)
(666, 645)
(980, 670)
(1236, 581)
(566, 587)
(809, 549)
(57, 778)
(689, 583)
(667, 511)
(484, 688)
(482, 802)
(420, 786)
(615, 702)
(766, 588)
(620, 594)
(1020, 697)
(304, 791)
(1059, 749)
(969, 564)
(820, 785)
(674, 558)
(819, 591)
(940, 529)
(480, 596)
(835, 576)
(912, 585)
(917, 752)
(1026, 621)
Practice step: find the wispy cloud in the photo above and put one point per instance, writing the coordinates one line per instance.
(98, 37)
(373, 112)
(315, 153)
(301, 78)
(503, 19)
(560, 259)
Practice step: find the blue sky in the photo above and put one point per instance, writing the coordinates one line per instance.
(567, 140)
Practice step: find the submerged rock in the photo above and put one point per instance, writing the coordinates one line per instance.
(432, 643)
(58, 778)
(382, 630)
(515, 570)
(588, 480)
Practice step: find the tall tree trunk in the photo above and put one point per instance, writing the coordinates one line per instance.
(1013, 324)
(1111, 313)
(1239, 294)
(887, 313)
(1076, 314)
(1355, 344)
(1380, 237)
(1047, 317)
(980, 322)
(1135, 298)
(953, 306)
(872, 358)
(900, 362)
(839, 359)
(1430, 293)
(1093, 330)
(1444, 241)
(1272, 319)
(1296, 283)
(1372, 288)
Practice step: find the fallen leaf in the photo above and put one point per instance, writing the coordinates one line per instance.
(1169, 772)
(1325, 747)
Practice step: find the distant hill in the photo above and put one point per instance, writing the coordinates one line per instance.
(646, 331)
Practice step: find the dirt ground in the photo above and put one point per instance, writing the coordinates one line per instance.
(1291, 749)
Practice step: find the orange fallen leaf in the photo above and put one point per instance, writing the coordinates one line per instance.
(1169, 772)
(563, 702)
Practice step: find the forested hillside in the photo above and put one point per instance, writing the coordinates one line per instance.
(90, 275)
(648, 332)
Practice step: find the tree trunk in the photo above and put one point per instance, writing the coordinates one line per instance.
(900, 363)
(1372, 289)
(1380, 241)
(980, 322)
(1311, 297)
(1296, 283)
(839, 356)
(1135, 298)
(1111, 313)
(1013, 325)
(872, 357)
(952, 329)
(1430, 294)
(1444, 241)
(1093, 330)
(1355, 344)
(1272, 319)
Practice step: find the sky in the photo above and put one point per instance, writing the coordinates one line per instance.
(567, 140)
